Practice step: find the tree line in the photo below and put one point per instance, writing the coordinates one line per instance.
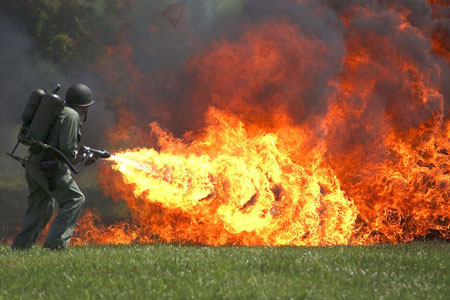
(68, 32)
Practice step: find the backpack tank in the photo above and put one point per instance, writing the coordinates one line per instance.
(47, 111)
(28, 113)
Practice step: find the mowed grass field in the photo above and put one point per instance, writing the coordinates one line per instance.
(419, 270)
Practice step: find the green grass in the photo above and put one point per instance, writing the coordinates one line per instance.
(409, 271)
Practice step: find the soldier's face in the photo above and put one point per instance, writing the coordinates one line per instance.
(85, 111)
(82, 111)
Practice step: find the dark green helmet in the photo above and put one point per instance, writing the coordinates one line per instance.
(79, 95)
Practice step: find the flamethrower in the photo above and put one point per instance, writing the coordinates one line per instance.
(88, 155)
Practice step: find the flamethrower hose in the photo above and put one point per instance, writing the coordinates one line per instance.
(87, 154)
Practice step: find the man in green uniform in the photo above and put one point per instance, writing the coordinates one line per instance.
(57, 184)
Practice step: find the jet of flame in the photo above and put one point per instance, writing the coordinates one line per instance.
(244, 187)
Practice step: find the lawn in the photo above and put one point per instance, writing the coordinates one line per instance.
(415, 270)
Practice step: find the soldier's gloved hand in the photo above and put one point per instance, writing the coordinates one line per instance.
(89, 161)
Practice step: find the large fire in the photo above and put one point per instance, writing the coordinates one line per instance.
(365, 161)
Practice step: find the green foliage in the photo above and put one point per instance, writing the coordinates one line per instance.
(68, 32)
(409, 271)
(65, 29)
(60, 47)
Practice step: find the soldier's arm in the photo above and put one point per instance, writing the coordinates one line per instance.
(68, 137)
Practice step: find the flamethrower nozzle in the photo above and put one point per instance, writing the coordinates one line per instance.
(105, 154)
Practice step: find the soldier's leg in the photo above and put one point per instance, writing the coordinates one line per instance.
(39, 212)
(70, 201)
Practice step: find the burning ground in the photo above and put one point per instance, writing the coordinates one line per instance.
(279, 123)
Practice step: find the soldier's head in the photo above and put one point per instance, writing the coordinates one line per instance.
(79, 97)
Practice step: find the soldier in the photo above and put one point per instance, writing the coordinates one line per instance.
(49, 179)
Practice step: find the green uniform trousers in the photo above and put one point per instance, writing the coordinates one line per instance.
(41, 202)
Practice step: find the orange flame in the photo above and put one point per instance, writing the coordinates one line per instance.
(267, 169)
(241, 187)
(91, 231)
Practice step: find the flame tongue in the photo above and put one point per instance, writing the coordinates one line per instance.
(245, 184)
(175, 182)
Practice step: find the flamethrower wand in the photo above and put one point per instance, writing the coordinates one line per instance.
(88, 155)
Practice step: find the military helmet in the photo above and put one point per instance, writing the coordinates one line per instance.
(79, 95)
